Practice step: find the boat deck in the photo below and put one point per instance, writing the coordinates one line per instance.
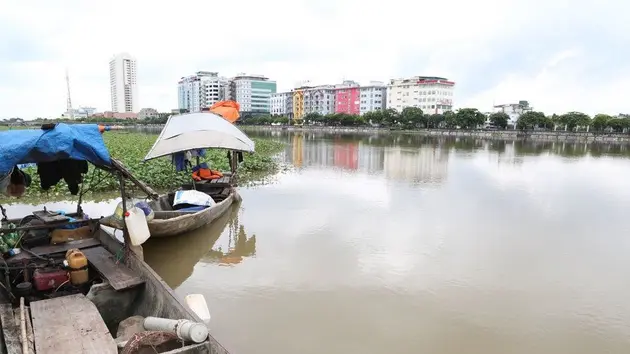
(71, 323)
(11, 319)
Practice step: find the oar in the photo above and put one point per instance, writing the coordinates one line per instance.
(198, 305)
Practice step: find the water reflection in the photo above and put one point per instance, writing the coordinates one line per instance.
(174, 258)
(401, 243)
(418, 159)
(238, 245)
(426, 163)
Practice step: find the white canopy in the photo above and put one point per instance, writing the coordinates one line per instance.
(205, 130)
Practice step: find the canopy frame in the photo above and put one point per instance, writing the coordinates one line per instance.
(208, 145)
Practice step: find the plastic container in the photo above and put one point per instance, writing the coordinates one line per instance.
(11, 238)
(137, 226)
(185, 329)
(49, 278)
(78, 264)
(116, 219)
(148, 212)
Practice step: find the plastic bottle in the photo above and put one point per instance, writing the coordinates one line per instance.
(11, 238)
(4, 248)
(137, 226)
(77, 262)
(148, 212)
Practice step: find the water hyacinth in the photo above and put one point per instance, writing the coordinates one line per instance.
(131, 147)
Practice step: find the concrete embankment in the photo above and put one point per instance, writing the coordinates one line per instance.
(481, 134)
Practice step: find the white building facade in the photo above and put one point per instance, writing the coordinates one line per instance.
(123, 83)
(434, 95)
(280, 103)
(513, 110)
(200, 91)
(372, 97)
(319, 99)
(253, 93)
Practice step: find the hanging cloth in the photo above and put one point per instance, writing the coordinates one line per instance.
(50, 173)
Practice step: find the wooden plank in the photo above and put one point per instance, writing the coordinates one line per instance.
(52, 249)
(70, 324)
(29, 327)
(118, 274)
(49, 217)
(10, 331)
(63, 247)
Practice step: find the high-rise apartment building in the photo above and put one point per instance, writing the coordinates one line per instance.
(316, 99)
(431, 94)
(372, 97)
(347, 98)
(281, 103)
(253, 93)
(123, 83)
(201, 90)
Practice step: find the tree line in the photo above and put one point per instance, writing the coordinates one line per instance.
(160, 119)
(409, 118)
(464, 118)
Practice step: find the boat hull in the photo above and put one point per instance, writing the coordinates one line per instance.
(156, 298)
(180, 224)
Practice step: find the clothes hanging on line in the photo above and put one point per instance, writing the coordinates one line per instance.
(179, 159)
(50, 173)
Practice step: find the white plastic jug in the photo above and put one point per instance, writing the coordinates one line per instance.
(137, 226)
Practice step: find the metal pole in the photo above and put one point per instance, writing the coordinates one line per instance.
(124, 207)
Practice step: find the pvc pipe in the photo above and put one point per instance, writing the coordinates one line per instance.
(185, 329)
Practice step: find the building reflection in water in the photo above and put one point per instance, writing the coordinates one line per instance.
(238, 245)
(424, 163)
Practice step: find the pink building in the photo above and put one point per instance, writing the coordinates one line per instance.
(347, 100)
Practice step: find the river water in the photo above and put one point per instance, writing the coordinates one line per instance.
(407, 244)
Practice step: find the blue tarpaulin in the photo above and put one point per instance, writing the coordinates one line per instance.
(76, 141)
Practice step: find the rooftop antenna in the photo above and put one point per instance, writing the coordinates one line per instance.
(69, 108)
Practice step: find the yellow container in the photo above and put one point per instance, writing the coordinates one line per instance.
(78, 264)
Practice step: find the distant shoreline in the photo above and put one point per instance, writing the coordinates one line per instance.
(481, 134)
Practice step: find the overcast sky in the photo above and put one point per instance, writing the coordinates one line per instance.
(560, 55)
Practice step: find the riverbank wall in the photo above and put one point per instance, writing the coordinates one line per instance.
(613, 138)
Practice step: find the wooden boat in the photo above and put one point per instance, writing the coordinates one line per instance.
(195, 131)
(46, 307)
(169, 222)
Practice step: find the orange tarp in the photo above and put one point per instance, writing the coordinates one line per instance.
(227, 109)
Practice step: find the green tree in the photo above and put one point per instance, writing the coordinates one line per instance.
(390, 117)
(313, 118)
(600, 122)
(499, 119)
(450, 119)
(435, 120)
(374, 117)
(281, 120)
(412, 117)
(531, 119)
(575, 119)
(469, 118)
(619, 124)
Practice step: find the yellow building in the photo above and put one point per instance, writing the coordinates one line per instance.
(298, 104)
